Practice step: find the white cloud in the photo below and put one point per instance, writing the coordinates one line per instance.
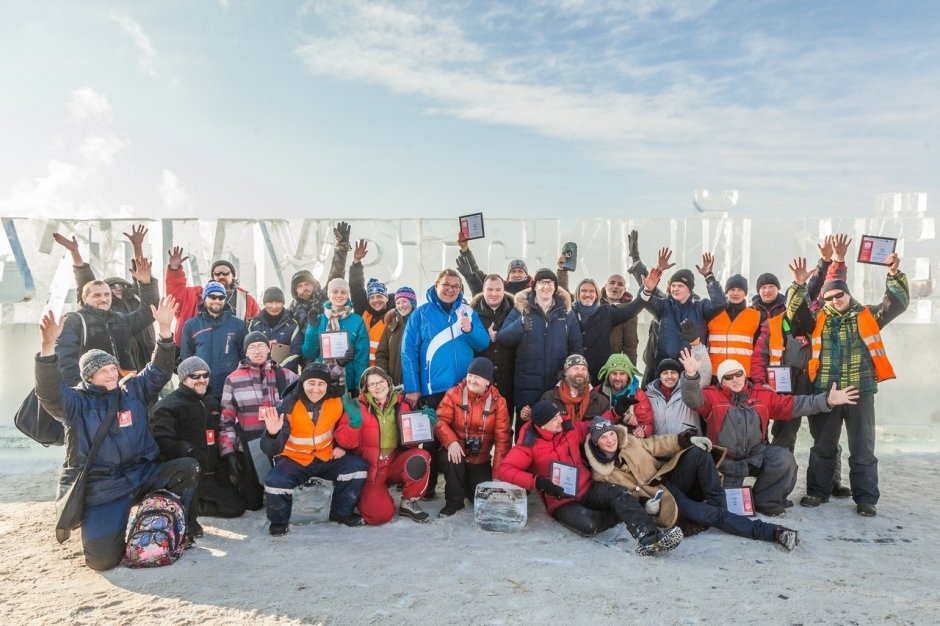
(176, 200)
(147, 52)
(87, 105)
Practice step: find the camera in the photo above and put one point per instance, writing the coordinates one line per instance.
(473, 445)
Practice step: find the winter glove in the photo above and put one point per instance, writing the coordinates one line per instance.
(527, 323)
(623, 404)
(313, 317)
(347, 358)
(685, 438)
(431, 413)
(633, 241)
(464, 266)
(688, 331)
(341, 233)
(545, 485)
(653, 505)
(351, 406)
(702, 442)
(234, 468)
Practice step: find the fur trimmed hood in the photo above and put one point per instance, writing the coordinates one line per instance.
(525, 299)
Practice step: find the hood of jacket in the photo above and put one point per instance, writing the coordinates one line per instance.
(525, 300)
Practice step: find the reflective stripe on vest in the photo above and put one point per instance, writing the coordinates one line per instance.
(733, 339)
(868, 331)
(309, 441)
(775, 341)
(375, 334)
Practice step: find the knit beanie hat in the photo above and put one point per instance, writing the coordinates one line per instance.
(599, 427)
(272, 294)
(736, 282)
(375, 288)
(215, 264)
(94, 360)
(727, 366)
(617, 362)
(407, 292)
(482, 367)
(316, 370)
(255, 337)
(574, 359)
(337, 283)
(685, 277)
(832, 285)
(543, 412)
(190, 366)
(517, 264)
(546, 274)
(768, 279)
(667, 365)
(213, 288)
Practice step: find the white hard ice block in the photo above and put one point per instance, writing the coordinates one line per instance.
(500, 507)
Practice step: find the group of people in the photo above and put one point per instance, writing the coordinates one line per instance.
(508, 377)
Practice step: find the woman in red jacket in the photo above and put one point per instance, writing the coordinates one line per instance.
(472, 421)
(381, 447)
(550, 444)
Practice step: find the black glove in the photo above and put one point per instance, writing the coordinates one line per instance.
(623, 404)
(347, 358)
(341, 232)
(633, 242)
(547, 486)
(234, 468)
(688, 331)
(313, 317)
(685, 437)
(527, 323)
(464, 266)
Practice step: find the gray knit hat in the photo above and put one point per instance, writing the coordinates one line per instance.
(190, 366)
(94, 360)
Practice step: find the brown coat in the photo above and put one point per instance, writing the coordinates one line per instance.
(388, 354)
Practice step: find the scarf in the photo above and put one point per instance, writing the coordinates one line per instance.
(584, 311)
(575, 406)
(335, 314)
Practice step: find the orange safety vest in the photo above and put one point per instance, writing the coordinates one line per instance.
(375, 334)
(869, 332)
(775, 341)
(729, 339)
(309, 441)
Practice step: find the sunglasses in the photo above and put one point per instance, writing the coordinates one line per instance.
(601, 425)
(203, 376)
(833, 296)
(733, 375)
(214, 297)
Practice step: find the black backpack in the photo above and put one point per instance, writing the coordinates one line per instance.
(35, 422)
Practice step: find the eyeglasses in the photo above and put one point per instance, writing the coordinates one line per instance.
(733, 375)
(258, 345)
(225, 273)
(545, 281)
(450, 287)
(215, 297)
(377, 384)
(833, 296)
(197, 376)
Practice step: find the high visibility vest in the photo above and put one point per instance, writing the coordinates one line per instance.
(729, 339)
(869, 332)
(375, 334)
(775, 341)
(309, 441)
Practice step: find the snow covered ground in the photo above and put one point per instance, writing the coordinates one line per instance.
(847, 569)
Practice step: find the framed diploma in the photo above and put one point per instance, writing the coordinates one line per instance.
(471, 226)
(780, 378)
(875, 250)
(740, 501)
(415, 428)
(334, 344)
(566, 477)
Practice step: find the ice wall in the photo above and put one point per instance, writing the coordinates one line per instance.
(35, 272)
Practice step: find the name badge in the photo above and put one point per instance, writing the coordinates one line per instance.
(210, 437)
(125, 419)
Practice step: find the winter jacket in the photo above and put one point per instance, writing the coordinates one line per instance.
(596, 330)
(187, 424)
(369, 441)
(535, 452)
(778, 306)
(738, 421)
(502, 356)
(312, 439)
(113, 332)
(244, 392)
(670, 313)
(388, 354)
(624, 337)
(358, 340)
(219, 341)
(374, 320)
(242, 304)
(127, 452)
(435, 352)
(540, 351)
(299, 307)
(457, 422)
(282, 329)
(597, 404)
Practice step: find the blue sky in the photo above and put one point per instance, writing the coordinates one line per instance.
(418, 109)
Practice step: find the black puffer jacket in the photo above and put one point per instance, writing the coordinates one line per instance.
(181, 422)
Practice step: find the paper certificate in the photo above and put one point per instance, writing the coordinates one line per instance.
(334, 344)
(471, 226)
(415, 428)
(566, 477)
(876, 250)
(780, 378)
(740, 501)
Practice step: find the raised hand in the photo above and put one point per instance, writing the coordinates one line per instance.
(136, 237)
(176, 258)
(842, 396)
(708, 262)
(50, 329)
(662, 259)
(341, 233)
(633, 243)
(462, 242)
(163, 315)
(825, 248)
(798, 268)
(360, 251)
(273, 420)
(840, 245)
(689, 362)
(894, 263)
(141, 270)
(652, 279)
(71, 245)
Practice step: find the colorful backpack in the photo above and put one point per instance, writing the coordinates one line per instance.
(157, 534)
